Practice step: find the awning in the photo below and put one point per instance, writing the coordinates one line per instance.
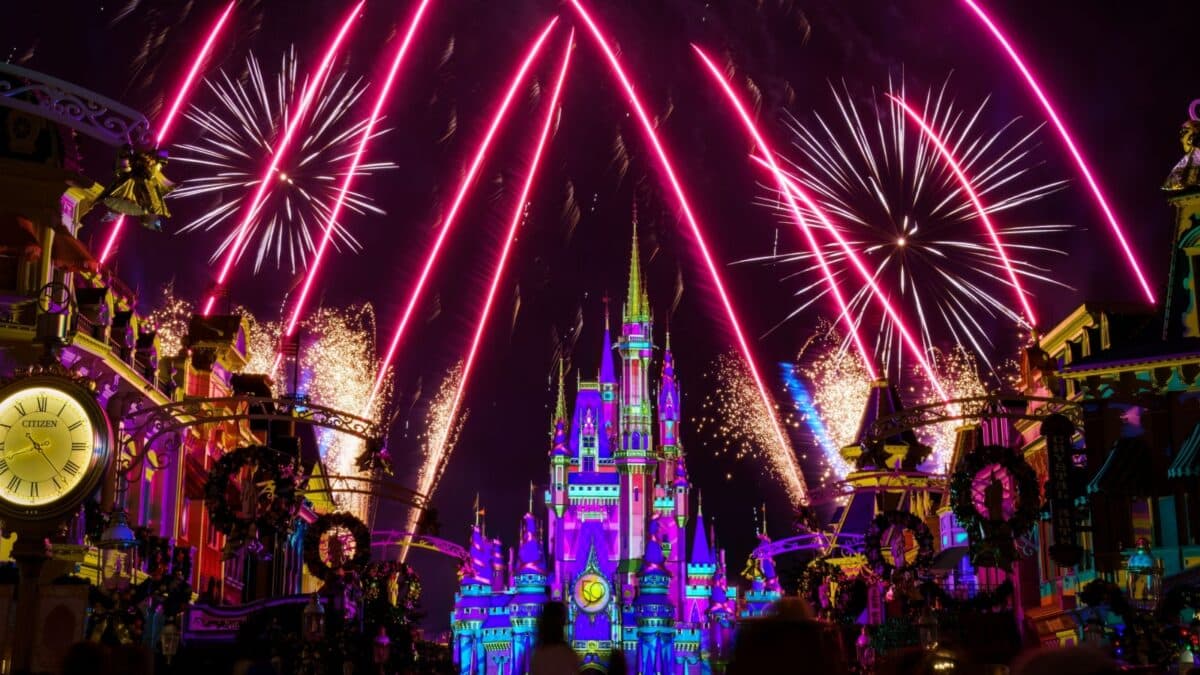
(1187, 462)
(18, 235)
(949, 558)
(1126, 470)
(71, 254)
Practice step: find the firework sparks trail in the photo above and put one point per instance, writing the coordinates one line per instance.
(735, 418)
(831, 283)
(519, 212)
(289, 132)
(959, 370)
(364, 140)
(246, 124)
(767, 405)
(968, 188)
(452, 215)
(1080, 162)
(441, 435)
(839, 394)
(184, 89)
(901, 207)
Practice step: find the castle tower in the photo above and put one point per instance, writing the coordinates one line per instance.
(608, 384)
(634, 458)
(700, 570)
(471, 605)
(670, 449)
(530, 586)
(655, 613)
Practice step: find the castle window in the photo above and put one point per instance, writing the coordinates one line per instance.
(637, 494)
(589, 463)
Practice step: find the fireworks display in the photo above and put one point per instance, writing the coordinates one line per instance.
(959, 371)
(839, 384)
(733, 418)
(903, 209)
(246, 124)
(442, 427)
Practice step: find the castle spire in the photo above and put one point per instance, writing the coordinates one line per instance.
(560, 408)
(608, 373)
(637, 310)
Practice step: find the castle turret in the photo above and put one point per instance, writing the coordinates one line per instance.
(701, 567)
(670, 449)
(472, 604)
(560, 454)
(609, 387)
(634, 458)
(530, 592)
(655, 613)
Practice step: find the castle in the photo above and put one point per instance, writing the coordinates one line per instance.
(635, 567)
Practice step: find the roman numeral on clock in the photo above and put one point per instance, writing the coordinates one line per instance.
(43, 402)
(57, 486)
(14, 483)
(71, 467)
(20, 409)
(3, 466)
(75, 425)
(33, 490)
(78, 446)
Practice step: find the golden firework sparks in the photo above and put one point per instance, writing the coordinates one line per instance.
(437, 442)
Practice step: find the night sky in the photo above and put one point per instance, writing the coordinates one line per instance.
(1123, 76)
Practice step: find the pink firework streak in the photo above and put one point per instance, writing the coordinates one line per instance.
(173, 111)
(1080, 162)
(967, 187)
(289, 131)
(795, 209)
(334, 212)
(452, 215)
(697, 234)
(439, 447)
(791, 190)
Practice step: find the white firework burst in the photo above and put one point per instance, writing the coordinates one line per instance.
(242, 130)
(902, 210)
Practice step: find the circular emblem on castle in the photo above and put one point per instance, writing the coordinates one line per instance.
(592, 592)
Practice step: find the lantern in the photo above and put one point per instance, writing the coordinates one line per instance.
(381, 649)
(118, 550)
(1142, 566)
(169, 641)
(314, 620)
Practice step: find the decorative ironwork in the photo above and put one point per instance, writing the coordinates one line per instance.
(375, 488)
(991, 406)
(73, 106)
(143, 428)
(822, 542)
(425, 541)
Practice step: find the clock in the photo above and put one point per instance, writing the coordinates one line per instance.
(55, 443)
(592, 592)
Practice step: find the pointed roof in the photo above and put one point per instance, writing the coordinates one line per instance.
(701, 554)
(637, 308)
(560, 407)
(882, 401)
(608, 373)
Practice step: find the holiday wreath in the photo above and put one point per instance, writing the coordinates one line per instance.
(890, 521)
(330, 524)
(994, 495)
(276, 499)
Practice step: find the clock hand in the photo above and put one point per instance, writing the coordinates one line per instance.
(36, 445)
(52, 467)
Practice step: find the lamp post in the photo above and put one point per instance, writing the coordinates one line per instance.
(314, 620)
(169, 641)
(381, 650)
(118, 545)
(1142, 565)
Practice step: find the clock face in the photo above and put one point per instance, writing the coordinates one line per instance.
(591, 593)
(47, 441)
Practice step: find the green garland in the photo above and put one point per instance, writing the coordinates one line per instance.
(277, 509)
(312, 545)
(873, 546)
(993, 540)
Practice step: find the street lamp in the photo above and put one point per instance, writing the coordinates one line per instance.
(1142, 566)
(927, 629)
(118, 544)
(382, 649)
(169, 641)
(314, 619)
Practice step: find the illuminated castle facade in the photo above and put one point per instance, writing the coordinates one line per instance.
(634, 565)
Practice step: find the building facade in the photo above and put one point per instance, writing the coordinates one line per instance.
(619, 543)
